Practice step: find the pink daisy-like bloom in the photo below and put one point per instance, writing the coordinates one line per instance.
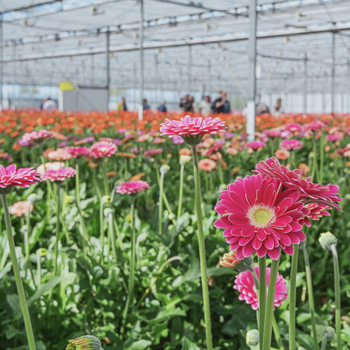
(153, 152)
(103, 149)
(293, 128)
(314, 126)
(255, 144)
(334, 137)
(11, 177)
(21, 208)
(314, 211)
(37, 136)
(58, 175)
(58, 154)
(244, 283)
(76, 152)
(178, 140)
(291, 144)
(293, 179)
(132, 187)
(192, 129)
(259, 217)
(49, 166)
(272, 132)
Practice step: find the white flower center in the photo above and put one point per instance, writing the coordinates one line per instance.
(261, 216)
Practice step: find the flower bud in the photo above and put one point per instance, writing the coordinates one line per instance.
(32, 198)
(327, 240)
(230, 260)
(108, 211)
(70, 199)
(252, 338)
(85, 342)
(171, 216)
(41, 252)
(184, 159)
(328, 332)
(128, 218)
(164, 169)
(106, 199)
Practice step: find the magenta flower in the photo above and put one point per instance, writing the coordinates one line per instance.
(178, 140)
(292, 179)
(314, 211)
(259, 217)
(293, 128)
(76, 152)
(192, 129)
(11, 176)
(255, 144)
(132, 187)
(272, 132)
(244, 283)
(314, 126)
(153, 152)
(334, 137)
(58, 175)
(291, 144)
(103, 149)
(37, 136)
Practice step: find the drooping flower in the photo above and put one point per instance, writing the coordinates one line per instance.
(103, 149)
(282, 154)
(11, 177)
(291, 144)
(334, 137)
(132, 187)
(206, 164)
(49, 166)
(255, 144)
(153, 152)
(58, 154)
(292, 179)
(76, 152)
(259, 217)
(37, 136)
(85, 342)
(315, 211)
(192, 129)
(21, 208)
(58, 175)
(244, 283)
(230, 259)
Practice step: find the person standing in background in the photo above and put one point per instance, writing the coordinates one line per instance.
(277, 110)
(221, 105)
(48, 105)
(121, 106)
(162, 107)
(186, 103)
(205, 106)
(145, 105)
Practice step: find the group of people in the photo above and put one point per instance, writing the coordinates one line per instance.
(121, 106)
(262, 108)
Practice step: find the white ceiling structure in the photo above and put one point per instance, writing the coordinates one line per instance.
(46, 42)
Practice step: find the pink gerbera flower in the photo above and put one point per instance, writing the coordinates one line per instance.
(314, 126)
(291, 144)
(58, 175)
(132, 187)
(37, 136)
(272, 132)
(153, 152)
(293, 128)
(259, 217)
(255, 144)
(58, 154)
(334, 137)
(11, 176)
(21, 208)
(76, 152)
(103, 149)
(192, 129)
(244, 283)
(292, 179)
(314, 211)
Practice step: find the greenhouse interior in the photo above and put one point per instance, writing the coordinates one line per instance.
(174, 175)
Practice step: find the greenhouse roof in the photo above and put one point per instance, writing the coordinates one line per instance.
(46, 42)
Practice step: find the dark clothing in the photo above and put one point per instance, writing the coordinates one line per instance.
(225, 108)
(187, 105)
(162, 108)
(146, 107)
(124, 107)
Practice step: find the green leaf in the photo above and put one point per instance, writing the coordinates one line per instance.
(13, 301)
(140, 345)
(188, 345)
(306, 341)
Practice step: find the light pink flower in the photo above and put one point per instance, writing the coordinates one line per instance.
(103, 149)
(192, 129)
(58, 175)
(292, 179)
(76, 152)
(58, 154)
(11, 176)
(21, 208)
(132, 187)
(314, 211)
(153, 152)
(259, 217)
(291, 144)
(334, 137)
(37, 135)
(255, 144)
(244, 283)
(49, 166)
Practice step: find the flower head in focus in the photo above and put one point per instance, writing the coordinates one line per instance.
(85, 342)
(314, 211)
(132, 187)
(291, 144)
(327, 240)
(103, 149)
(259, 217)
(230, 260)
(244, 283)
(37, 136)
(58, 175)
(21, 208)
(192, 129)
(11, 177)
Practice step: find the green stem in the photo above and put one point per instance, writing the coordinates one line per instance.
(84, 231)
(292, 297)
(202, 255)
(322, 158)
(181, 190)
(337, 295)
(27, 235)
(130, 296)
(20, 289)
(57, 228)
(160, 214)
(277, 333)
(119, 237)
(262, 297)
(102, 233)
(310, 294)
(270, 305)
(77, 190)
(111, 233)
(38, 264)
(221, 176)
(104, 175)
(324, 342)
(95, 185)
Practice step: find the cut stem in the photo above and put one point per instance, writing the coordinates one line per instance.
(292, 297)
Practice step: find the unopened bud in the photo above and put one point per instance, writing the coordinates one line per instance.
(164, 169)
(106, 199)
(70, 199)
(184, 159)
(32, 198)
(41, 252)
(85, 342)
(252, 338)
(171, 216)
(230, 260)
(328, 332)
(327, 240)
(108, 211)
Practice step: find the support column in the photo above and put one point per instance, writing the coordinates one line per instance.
(348, 87)
(333, 71)
(251, 70)
(92, 70)
(1, 63)
(157, 79)
(107, 67)
(189, 69)
(208, 79)
(305, 83)
(141, 60)
(134, 86)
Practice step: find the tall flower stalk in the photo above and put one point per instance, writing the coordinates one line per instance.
(163, 170)
(262, 297)
(292, 297)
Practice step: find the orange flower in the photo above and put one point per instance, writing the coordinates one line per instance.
(143, 138)
(235, 171)
(185, 152)
(16, 147)
(282, 154)
(208, 142)
(14, 133)
(107, 139)
(231, 150)
(206, 164)
(327, 148)
(137, 177)
(304, 168)
(92, 164)
(126, 155)
(2, 141)
(111, 173)
(21, 208)
(216, 156)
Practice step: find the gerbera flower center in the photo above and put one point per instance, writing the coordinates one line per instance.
(261, 216)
